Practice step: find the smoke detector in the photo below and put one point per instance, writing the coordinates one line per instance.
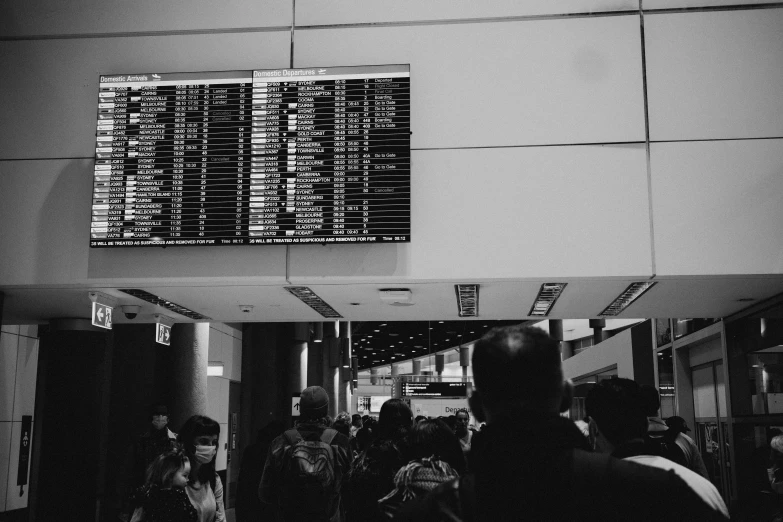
(396, 296)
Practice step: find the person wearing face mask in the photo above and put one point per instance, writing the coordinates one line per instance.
(199, 437)
(157, 440)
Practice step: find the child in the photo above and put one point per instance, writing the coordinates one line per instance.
(163, 497)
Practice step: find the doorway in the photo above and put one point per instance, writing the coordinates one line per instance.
(711, 431)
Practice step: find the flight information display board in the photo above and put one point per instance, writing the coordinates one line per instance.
(285, 156)
(434, 389)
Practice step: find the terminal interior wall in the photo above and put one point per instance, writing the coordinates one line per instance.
(535, 127)
(18, 367)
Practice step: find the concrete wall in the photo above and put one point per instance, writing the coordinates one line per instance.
(536, 124)
(225, 346)
(18, 368)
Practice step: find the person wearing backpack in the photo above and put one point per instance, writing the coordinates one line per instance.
(675, 445)
(305, 466)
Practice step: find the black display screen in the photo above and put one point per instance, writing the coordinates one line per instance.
(434, 389)
(284, 156)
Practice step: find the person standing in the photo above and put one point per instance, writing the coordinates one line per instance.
(199, 438)
(461, 421)
(656, 427)
(532, 464)
(618, 426)
(157, 440)
(305, 466)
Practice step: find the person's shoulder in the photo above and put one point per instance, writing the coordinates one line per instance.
(340, 439)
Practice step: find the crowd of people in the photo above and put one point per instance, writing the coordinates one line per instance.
(525, 461)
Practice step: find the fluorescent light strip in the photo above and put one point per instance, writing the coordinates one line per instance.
(168, 305)
(309, 298)
(467, 300)
(546, 298)
(624, 300)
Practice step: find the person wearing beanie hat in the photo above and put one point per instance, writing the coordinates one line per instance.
(305, 466)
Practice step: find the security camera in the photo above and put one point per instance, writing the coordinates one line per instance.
(246, 308)
(131, 311)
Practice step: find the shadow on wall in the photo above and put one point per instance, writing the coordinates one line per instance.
(63, 231)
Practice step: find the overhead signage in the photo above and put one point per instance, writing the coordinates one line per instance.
(101, 315)
(434, 389)
(295, 405)
(283, 156)
(163, 334)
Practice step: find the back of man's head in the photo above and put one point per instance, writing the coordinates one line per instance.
(651, 400)
(615, 405)
(518, 367)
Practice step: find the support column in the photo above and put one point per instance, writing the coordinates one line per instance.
(373, 376)
(416, 370)
(344, 395)
(597, 325)
(395, 370)
(297, 362)
(440, 363)
(190, 346)
(315, 358)
(331, 364)
(464, 360)
(556, 333)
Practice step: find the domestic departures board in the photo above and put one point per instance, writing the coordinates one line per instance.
(285, 156)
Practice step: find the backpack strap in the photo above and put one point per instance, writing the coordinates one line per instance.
(292, 437)
(328, 435)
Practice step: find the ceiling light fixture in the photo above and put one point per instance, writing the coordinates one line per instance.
(629, 295)
(546, 298)
(159, 301)
(309, 298)
(467, 300)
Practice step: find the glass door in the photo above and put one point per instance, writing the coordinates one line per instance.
(711, 430)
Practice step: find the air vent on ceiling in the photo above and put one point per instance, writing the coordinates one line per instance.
(629, 295)
(396, 296)
(546, 298)
(174, 307)
(309, 298)
(467, 300)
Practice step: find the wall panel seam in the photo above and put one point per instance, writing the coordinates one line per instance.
(145, 34)
(647, 139)
(533, 18)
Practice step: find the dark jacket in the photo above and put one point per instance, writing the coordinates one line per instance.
(541, 468)
(165, 505)
(372, 477)
(269, 489)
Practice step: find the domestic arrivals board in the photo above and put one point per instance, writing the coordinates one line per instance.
(284, 156)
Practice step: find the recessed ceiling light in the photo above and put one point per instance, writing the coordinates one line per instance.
(309, 298)
(467, 300)
(546, 298)
(376, 331)
(628, 296)
(440, 322)
(383, 324)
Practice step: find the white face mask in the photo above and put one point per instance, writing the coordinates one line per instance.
(205, 454)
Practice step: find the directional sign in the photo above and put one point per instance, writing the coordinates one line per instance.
(101, 315)
(24, 452)
(295, 405)
(163, 334)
